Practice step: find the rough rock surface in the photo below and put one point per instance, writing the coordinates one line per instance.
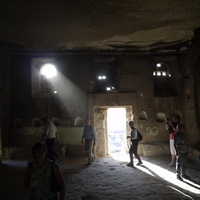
(101, 25)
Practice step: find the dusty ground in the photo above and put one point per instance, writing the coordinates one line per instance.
(108, 178)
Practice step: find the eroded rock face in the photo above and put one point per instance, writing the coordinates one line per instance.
(99, 25)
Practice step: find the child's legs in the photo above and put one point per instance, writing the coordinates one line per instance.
(135, 147)
(131, 154)
(178, 165)
(183, 163)
(172, 150)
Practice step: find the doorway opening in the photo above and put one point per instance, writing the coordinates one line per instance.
(116, 129)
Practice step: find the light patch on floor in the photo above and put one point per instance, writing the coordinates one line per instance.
(160, 172)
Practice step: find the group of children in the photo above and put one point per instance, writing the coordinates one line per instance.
(179, 146)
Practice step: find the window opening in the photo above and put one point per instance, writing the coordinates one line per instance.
(105, 73)
(47, 71)
(162, 81)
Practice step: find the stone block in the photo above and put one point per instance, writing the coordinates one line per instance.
(153, 149)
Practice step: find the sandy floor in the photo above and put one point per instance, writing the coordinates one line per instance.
(109, 178)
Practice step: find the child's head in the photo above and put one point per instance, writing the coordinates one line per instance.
(39, 149)
(45, 119)
(181, 127)
(88, 121)
(131, 124)
(176, 118)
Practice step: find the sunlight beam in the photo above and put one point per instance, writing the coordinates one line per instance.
(181, 192)
(155, 170)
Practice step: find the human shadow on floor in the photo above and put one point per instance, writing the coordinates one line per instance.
(150, 171)
(192, 183)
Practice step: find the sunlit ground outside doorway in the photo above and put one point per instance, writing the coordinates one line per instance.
(116, 125)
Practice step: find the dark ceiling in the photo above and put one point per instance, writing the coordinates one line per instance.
(134, 25)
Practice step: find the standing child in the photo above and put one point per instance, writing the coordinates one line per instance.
(171, 127)
(134, 145)
(89, 135)
(181, 146)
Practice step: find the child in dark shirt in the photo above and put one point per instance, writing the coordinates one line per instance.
(181, 146)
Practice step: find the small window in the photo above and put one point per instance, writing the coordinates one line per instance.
(42, 70)
(162, 77)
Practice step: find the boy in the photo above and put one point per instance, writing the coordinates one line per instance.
(134, 145)
(181, 146)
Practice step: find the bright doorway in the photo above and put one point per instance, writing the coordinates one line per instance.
(116, 129)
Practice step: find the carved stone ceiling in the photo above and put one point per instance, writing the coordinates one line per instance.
(136, 25)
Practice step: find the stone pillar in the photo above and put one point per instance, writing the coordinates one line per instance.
(0, 148)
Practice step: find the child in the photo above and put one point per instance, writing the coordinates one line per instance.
(171, 127)
(134, 145)
(181, 146)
